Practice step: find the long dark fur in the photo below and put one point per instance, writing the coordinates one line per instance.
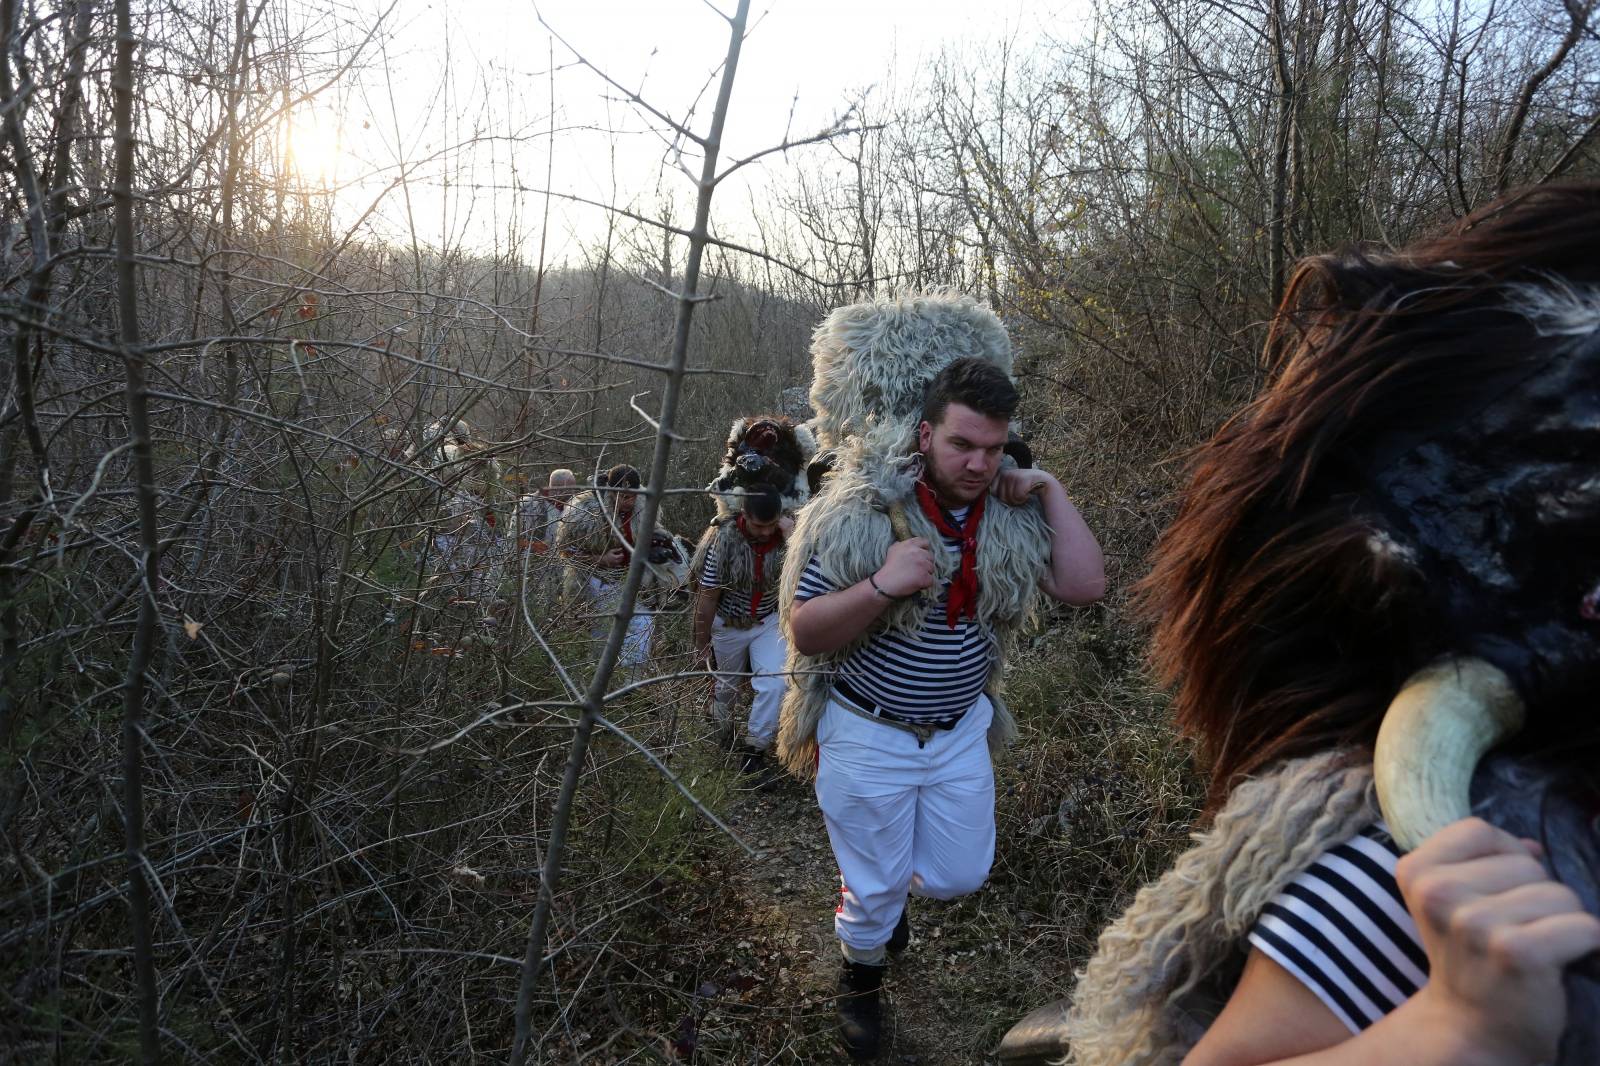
(1281, 623)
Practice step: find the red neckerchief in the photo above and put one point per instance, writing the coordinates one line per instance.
(626, 528)
(760, 550)
(963, 598)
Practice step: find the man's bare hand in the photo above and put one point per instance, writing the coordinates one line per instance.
(907, 569)
(1015, 486)
(1498, 933)
(615, 557)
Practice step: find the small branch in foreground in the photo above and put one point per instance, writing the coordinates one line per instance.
(594, 701)
(144, 635)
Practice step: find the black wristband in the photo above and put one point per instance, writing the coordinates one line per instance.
(872, 579)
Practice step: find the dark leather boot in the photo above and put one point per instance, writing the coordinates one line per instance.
(860, 1014)
(901, 937)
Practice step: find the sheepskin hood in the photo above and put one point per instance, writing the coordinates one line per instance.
(871, 361)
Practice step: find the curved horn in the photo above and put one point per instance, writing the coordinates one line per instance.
(1435, 731)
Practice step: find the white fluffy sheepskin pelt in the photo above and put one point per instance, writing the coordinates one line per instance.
(1163, 971)
(847, 527)
(715, 532)
(871, 361)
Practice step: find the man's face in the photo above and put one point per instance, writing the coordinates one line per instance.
(962, 453)
(561, 490)
(625, 502)
(759, 530)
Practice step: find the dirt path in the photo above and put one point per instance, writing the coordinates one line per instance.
(789, 895)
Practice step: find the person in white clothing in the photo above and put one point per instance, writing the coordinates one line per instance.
(596, 536)
(736, 618)
(903, 772)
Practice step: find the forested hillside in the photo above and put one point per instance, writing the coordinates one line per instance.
(295, 722)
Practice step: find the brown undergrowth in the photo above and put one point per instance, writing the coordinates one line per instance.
(346, 820)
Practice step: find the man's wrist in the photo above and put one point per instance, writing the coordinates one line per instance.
(872, 579)
(1448, 1035)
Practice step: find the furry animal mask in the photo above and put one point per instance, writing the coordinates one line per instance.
(764, 452)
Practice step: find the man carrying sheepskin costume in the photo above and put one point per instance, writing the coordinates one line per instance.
(738, 562)
(596, 537)
(736, 619)
(907, 575)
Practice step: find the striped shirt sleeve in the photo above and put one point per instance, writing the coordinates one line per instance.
(813, 582)
(708, 573)
(1342, 929)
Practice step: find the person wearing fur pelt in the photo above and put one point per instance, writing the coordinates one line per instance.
(738, 562)
(736, 618)
(1379, 610)
(907, 576)
(596, 539)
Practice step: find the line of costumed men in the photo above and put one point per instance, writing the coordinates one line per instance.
(873, 625)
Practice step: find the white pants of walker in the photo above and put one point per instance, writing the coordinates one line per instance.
(759, 651)
(641, 627)
(903, 819)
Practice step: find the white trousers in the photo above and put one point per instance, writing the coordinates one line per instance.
(759, 651)
(605, 596)
(903, 818)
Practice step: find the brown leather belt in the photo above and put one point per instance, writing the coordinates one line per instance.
(852, 700)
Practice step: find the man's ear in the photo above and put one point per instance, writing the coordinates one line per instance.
(924, 436)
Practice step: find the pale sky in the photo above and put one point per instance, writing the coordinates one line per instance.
(810, 55)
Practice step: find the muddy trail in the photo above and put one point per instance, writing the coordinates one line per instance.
(778, 1006)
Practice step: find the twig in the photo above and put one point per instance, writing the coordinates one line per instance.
(606, 723)
(144, 635)
(595, 699)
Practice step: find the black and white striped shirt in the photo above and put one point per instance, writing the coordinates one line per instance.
(1343, 930)
(735, 603)
(935, 675)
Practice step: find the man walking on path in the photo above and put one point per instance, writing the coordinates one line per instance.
(596, 537)
(736, 618)
(907, 576)
(538, 512)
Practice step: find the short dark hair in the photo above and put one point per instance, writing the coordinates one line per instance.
(620, 476)
(974, 382)
(763, 504)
